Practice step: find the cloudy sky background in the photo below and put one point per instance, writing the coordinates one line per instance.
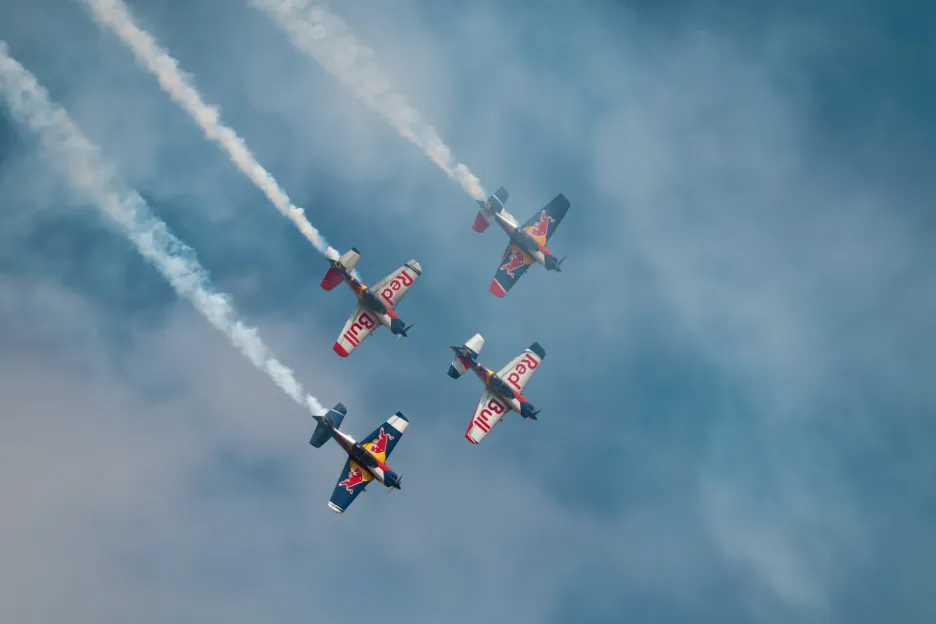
(737, 396)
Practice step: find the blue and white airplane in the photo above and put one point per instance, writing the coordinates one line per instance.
(366, 459)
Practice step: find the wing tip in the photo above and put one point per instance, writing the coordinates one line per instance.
(496, 289)
(399, 422)
(413, 264)
(335, 508)
(340, 350)
(538, 349)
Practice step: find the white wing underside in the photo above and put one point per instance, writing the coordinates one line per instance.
(490, 412)
(520, 370)
(357, 328)
(394, 287)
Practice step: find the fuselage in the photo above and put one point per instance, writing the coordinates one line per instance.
(536, 249)
(381, 309)
(365, 459)
(511, 398)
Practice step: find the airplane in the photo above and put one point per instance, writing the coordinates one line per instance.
(527, 242)
(503, 390)
(371, 309)
(366, 459)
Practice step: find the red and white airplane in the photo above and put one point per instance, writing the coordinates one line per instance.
(372, 310)
(503, 390)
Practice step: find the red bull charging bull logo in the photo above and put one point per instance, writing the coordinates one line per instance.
(517, 260)
(403, 280)
(379, 446)
(355, 478)
(541, 227)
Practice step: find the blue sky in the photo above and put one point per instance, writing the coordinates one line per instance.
(737, 397)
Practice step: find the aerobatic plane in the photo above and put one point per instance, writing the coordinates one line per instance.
(503, 390)
(528, 242)
(376, 306)
(366, 459)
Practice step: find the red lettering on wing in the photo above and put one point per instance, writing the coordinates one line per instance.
(364, 321)
(404, 279)
(529, 363)
(493, 408)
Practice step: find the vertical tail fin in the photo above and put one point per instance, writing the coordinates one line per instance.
(323, 430)
(494, 204)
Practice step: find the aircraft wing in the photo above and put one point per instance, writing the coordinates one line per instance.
(489, 412)
(514, 264)
(520, 370)
(352, 482)
(394, 287)
(543, 224)
(357, 328)
(384, 438)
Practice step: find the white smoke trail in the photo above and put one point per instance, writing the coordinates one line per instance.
(82, 162)
(327, 39)
(115, 15)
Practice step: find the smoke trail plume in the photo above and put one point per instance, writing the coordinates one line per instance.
(326, 38)
(115, 15)
(86, 169)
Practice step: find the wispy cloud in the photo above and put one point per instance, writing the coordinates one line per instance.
(81, 161)
(322, 35)
(114, 14)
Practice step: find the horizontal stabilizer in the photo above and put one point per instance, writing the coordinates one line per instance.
(494, 204)
(323, 432)
(350, 258)
(474, 346)
(481, 222)
(332, 278)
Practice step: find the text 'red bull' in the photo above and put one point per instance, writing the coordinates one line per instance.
(528, 363)
(402, 280)
(364, 321)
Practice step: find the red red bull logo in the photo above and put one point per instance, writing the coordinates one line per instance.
(355, 478)
(517, 260)
(401, 281)
(527, 364)
(379, 446)
(363, 321)
(541, 227)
